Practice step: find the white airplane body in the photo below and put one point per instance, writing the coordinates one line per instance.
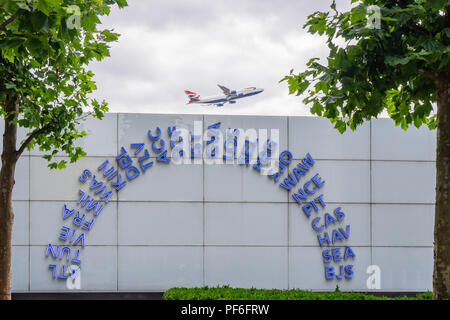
(228, 95)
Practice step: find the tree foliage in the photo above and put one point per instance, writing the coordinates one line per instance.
(369, 70)
(45, 48)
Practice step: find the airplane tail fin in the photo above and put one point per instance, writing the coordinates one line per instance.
(192, 96)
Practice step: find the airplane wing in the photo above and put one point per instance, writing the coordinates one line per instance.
(225, 90)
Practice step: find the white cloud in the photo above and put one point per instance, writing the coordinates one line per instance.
(168, 46)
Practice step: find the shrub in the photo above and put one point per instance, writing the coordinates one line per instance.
(228, 293)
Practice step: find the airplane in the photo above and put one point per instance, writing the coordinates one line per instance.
(228, 95)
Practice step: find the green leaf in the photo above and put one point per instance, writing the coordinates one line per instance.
(417, 122)
(435, 4)
(38, 20)
(317, 108)
(446, 31)
(340, 126)
(388, 19)
(23, 6)
(431, 45)
(42, 5)
(358, 14)
(393, 61)
(321, 86)
(9, 85)
(404, 124)
(61, 164)
(110, 36)
(122, 3)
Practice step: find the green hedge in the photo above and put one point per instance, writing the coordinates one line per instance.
(228, 293)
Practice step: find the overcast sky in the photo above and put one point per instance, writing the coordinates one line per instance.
(167, 46)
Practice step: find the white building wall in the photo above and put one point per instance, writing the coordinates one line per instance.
(201, 224)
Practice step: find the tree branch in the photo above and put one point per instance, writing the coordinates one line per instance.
(33, 135)
(11, 19)
(20, 35)
(432, 75)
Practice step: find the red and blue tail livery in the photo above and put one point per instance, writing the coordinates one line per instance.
(192, 96)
